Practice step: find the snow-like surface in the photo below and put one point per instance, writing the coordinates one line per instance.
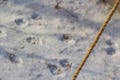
(33, 43)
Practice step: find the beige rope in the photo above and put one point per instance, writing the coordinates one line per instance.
(95, 40)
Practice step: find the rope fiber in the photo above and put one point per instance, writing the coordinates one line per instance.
(102, 28)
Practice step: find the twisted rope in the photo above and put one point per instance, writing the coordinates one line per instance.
(96, 39)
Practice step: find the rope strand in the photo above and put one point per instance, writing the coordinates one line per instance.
(96, 39)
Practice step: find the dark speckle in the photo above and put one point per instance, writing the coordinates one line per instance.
(64, 62)
(34, 16)
(2, 26)
(32, 40)
(29, 39)
(19, 21)
(110, 51)
(101, 1)
(11, 57)
(39, 75)
(66, 37)
(53, 68)
(109, 42)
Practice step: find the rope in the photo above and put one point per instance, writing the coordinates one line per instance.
(96, 39)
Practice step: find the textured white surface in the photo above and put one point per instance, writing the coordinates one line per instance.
(33, 31)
